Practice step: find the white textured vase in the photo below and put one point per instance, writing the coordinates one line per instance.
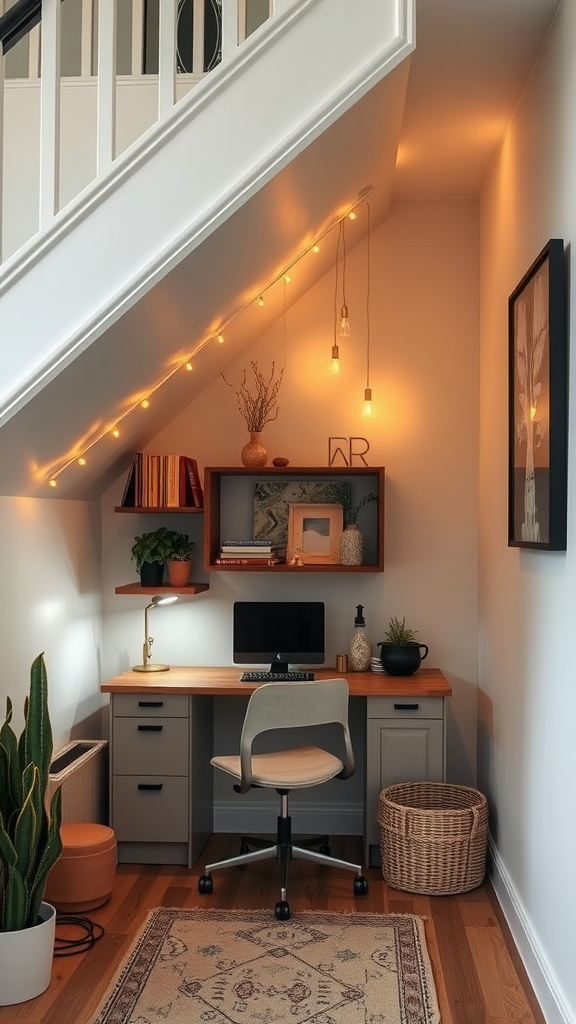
(360, 651)
(352, 545)
(26, 959)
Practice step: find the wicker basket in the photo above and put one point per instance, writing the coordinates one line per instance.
(433, 837)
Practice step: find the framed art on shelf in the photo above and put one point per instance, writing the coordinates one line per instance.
(314, 533)
(537, 405)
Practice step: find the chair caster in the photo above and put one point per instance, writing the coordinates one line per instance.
(205, 885)
(282, 911)
(360, 886)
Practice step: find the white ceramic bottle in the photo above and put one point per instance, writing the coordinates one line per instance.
(360, 651)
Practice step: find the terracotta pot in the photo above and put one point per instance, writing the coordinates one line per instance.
(179, 572)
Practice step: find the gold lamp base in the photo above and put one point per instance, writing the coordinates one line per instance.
(150, 668)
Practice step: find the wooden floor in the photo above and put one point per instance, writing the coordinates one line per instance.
(479, 977)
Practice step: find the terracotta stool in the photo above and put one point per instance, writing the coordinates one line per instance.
(83, 876)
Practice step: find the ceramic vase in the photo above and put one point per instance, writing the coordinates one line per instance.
(254, 453)
(352, 545)
(26, 959)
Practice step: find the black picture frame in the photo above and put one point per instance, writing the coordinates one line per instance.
(538, 405)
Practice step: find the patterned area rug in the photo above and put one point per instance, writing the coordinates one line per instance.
(244, 967)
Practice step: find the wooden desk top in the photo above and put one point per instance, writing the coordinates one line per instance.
(426, 682)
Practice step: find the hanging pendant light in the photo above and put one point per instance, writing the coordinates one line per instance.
(335, 357)
(344, 325)
(367, 410)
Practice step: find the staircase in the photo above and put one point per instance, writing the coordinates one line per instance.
(166, 200)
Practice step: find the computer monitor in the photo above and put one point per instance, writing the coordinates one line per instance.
(278, 632)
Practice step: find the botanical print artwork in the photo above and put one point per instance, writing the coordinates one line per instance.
(531, 412)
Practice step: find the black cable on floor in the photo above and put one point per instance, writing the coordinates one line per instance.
(90, 933)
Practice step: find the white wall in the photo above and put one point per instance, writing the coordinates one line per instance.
(424, 329)
(50, 555)
(527, 701)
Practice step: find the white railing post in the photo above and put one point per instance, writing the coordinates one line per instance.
(198, 39)
(137, 62)
(86, 38)
(49, 111)
(229, 28)
(167, 58)
(2, 78)
(106, 102)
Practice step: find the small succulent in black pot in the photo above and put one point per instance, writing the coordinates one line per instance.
(401, 654)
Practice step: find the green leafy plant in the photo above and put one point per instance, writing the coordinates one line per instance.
(181, 547)
(351, 513)
(153, 547)
(399, 634)
(30, 841)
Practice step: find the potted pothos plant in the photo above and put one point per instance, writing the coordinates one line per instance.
(150, 551)
(30, 845)
(401, 654)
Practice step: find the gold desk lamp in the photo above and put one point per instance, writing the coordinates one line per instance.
(146, 666)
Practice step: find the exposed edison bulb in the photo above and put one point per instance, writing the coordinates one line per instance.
(335, 361)
(367, 411)
(220, 339)
(145, 403)
(344, 325)
(261, 301)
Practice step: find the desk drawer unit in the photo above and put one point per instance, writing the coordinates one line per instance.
(405, 742)
(150, 778)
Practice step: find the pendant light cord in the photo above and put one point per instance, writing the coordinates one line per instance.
(367, 295)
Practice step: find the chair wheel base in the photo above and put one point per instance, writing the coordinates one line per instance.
(361, 886)
(205, 884)
(282, 911)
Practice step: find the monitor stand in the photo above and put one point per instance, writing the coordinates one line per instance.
(279, 667)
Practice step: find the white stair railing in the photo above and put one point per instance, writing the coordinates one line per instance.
(44, 55)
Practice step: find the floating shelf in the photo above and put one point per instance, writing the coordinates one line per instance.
(137, 588)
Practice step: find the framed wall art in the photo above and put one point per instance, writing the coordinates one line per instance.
(537, 405)
(314, 533)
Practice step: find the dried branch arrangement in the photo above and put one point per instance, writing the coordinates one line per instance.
(257, 402)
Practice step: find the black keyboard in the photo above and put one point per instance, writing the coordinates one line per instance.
(276, 677)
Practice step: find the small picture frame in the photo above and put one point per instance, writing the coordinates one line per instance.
(538, 394)
(314, 533)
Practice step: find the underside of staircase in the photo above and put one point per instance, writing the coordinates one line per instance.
(142, 267)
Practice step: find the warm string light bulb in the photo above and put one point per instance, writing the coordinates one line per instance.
(189, 367)
(335, 361)
(115, 432)
(145, 404)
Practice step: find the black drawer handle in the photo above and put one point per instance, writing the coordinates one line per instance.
(150, 703)
(406, 707)
(150, 785)
(150, 728)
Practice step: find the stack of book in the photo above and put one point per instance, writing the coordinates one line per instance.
(248, 552)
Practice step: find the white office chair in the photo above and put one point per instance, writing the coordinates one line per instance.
(285, 706)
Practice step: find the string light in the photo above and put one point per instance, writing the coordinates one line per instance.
(187, 362)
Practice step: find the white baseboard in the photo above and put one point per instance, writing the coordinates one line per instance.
(311, 820)
(543, 980)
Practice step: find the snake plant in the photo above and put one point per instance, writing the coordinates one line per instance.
(30, 841)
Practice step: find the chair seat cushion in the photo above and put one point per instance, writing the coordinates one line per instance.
(286, 769)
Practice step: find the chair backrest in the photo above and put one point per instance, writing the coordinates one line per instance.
(290, 705)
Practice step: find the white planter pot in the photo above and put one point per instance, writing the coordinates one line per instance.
(26, 959)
